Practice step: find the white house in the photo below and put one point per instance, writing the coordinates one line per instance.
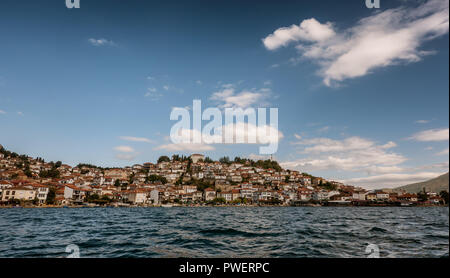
(154, 196)
(359, 195)
(19, 193)
(197, 157)
(136, 196)
(41, 192)
(210, 194)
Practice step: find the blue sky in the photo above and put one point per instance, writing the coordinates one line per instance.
(362, 93)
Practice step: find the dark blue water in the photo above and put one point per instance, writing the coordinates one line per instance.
(225, 232)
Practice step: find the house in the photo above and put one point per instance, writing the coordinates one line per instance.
(154, 196)
(189, 188)
(305, 194)
(359, 195)
(305, 180)
(236, 194)
(116, 173)
(381, 195)
(197, 196)
(41, 192)
(408, 197)
(320, 195)
(74, 194)
(265, 195)
(342, 197)
(210, 194)
(19, 193)
(371, 196)
(4, 185)
(228, 196)
(197, 157)
(135, 196)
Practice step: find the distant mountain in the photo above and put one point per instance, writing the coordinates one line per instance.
(435, 185)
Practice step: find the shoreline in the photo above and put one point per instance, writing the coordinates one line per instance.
(222, 206)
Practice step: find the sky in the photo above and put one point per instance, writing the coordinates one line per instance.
(362, 94)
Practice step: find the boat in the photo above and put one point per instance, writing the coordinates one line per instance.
(166, 205)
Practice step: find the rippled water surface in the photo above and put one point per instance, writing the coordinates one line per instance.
(225, 232)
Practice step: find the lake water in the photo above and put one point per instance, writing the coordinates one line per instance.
(225, 232)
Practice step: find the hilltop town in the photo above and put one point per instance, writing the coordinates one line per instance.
(193, 180)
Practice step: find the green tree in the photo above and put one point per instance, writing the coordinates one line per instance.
(163, 158)
(154, 178)
(225, 160)
(444, 196)
(51, 196)
(422, 195)
(208, 160)
(117, 183)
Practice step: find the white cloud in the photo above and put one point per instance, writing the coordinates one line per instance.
(264, 135)
(20, 113)
(125, 156)
(443, 152)
(101, 42)
(422, 122)
(431, 135)
(185, 147)
(136, 139)
(152, 94)
(2, 112)
(198, 82)
(365, 162)
(308, 30)
(246, 98)
(380, 40)
(259, 157)
(323, 129)
(124, 149)
(353, 154)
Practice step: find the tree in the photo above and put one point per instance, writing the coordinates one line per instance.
(51, 196)
(163, 158)
(225, 160)
(131, 178)
(444, 195)
(53, 173)
(422, 195)
(208, 160)
(58, 164)
(176, 157)
(218, 201)
(153, 178)
(117, 183)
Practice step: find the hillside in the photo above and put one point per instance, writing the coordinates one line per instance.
(436, 185)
